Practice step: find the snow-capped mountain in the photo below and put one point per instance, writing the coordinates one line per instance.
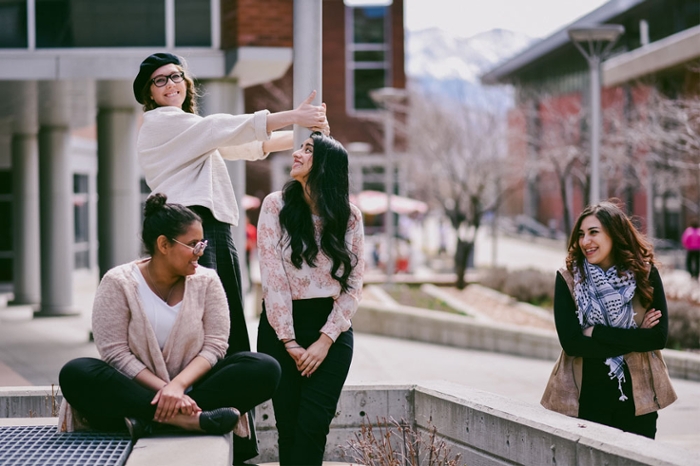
(440, 63)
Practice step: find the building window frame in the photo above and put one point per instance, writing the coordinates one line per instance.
(351, 65)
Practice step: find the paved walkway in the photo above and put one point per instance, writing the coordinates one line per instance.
(32, 351)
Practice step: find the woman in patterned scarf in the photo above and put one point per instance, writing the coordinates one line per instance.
(610, 310)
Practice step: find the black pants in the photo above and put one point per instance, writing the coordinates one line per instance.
(221, 255)
(105, 396)
(305, 406)
(692, 263)
(599, 401)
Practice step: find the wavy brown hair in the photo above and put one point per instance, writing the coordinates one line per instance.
(631, 251)
(190, 103)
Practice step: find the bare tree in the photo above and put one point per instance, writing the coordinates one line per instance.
(459, 162)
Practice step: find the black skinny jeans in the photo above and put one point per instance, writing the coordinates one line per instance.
(305, 406)
(105, 396)
(222, 256)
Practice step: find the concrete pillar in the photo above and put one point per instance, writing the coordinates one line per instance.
(25, 192)
(55, 200)
(226, 96)
(118, 205)
(308, 57)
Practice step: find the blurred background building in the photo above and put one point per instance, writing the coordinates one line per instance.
(70, 184)
(650, 84)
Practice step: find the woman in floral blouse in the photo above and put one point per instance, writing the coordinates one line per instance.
(310, 241)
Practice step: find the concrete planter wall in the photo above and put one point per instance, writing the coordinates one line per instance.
(486, 429)
(442, 328)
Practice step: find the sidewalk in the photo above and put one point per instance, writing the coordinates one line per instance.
(32, 351)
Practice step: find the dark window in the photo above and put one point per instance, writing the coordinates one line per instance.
(13, 23)
(192, 23)
(368, 55)
(81, 218)
(100, 23)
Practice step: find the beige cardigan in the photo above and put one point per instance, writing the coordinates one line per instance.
(125, 339)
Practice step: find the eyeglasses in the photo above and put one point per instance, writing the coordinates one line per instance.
(197, 249)
(161, 81)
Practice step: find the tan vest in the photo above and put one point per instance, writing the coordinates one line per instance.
(651, 385)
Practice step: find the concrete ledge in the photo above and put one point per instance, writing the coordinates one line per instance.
(209, 450)
(29, 402)
(442, 328)
(486, 429)
(454, 330)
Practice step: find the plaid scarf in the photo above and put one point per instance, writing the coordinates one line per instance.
(603, 298)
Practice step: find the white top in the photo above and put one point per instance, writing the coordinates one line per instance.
(161, 315)
(282, 282)
(182, 155)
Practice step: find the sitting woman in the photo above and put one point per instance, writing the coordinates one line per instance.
(161, 326)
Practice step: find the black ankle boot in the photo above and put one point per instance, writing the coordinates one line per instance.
(219, 421)
(137, 427)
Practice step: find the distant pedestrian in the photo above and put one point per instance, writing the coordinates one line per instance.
(161, 327)
(612, 320)
(691, 243)
(310, 241)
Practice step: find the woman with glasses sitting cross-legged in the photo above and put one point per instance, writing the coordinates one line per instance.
(161, 326)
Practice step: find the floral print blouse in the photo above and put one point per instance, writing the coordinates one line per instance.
(282, 282)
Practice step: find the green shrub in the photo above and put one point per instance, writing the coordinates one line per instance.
(683, 325)
(528, 285)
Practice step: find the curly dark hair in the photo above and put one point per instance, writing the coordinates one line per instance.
(328, 185)
(190, 103)
(161, 218)
(631, 251)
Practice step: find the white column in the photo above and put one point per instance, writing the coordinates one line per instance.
(308, 56)
(55, 200)
(117, 175)
(25, 192)
(226, 96)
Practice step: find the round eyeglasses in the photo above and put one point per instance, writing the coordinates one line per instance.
(197, 249)
(161, 81)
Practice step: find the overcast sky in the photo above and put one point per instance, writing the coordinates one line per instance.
(536, 18)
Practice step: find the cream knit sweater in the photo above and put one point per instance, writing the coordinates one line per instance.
(126, 341)
(182, 155)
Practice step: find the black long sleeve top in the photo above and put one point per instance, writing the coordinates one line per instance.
(606, 341)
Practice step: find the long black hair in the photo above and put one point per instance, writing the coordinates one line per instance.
(328, 185)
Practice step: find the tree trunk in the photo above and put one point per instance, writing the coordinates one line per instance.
(464, 249)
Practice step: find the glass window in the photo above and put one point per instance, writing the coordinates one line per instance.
(192, 23)
(13, 23)
(81, 218)
(369, 60)
(100, 23)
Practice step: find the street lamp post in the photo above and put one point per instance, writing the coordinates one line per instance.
(388, 97)
(595, 43)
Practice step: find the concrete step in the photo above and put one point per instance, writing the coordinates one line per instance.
(184, 449)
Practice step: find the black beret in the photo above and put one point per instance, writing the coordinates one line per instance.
(148, 66)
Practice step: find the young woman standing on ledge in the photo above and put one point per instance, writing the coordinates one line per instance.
(182, 156)
(612, 320)
(310, 243)
(161, 327)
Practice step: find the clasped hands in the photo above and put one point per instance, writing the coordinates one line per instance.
(313, 116)
(172, 400)
(309, 359)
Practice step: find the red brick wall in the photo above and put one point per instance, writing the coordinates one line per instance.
(261, 23)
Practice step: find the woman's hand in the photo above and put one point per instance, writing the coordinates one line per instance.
(295, 352)
(170, 400)
(588, 331)
(314, 355)
(325, 128)
(311, 116)
(651, 318)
